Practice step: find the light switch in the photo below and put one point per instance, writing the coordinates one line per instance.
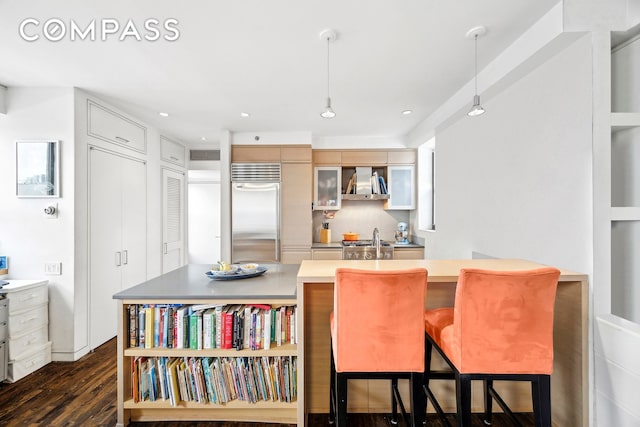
(53, 268)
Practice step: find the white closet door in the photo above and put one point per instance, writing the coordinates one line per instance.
(173, 196)
(105, 219)
(134, 223)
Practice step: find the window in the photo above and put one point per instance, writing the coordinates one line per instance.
(426, 186)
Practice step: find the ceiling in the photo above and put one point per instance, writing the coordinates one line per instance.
(265, 57)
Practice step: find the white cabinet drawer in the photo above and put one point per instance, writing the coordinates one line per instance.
(4, 310)
(26, 343)
(28, 320)
(23, 366)
(112, 127)
(25, 299)
(172, 151)
(3, 331)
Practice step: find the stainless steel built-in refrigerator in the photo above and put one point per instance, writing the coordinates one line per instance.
(255, 212)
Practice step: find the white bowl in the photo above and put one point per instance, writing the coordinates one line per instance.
(249, 267)
(215, 270)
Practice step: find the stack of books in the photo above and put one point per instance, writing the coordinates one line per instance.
(235, 326)
(215, 380)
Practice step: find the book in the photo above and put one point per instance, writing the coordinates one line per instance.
(141, 327)
(266, 328)
(149, 326)
(383, 185)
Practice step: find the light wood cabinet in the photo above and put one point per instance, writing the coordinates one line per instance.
(408, 253)
(364, 158)
(112, 127)
(296, 219)
(295, 153)
(401, 157)
(255, 154)
(327, 157)
(331, 254)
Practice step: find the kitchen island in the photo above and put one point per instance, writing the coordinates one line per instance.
(189, 285)
(569, 382)
(309, 286)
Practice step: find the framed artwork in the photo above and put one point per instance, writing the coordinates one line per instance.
(38, 168)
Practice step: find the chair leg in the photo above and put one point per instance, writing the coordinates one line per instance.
(463, 392)
(332, 391)
(488, 402)
(418, 400)
(394, 402)
(341, 400)
(428, 347)
(541, 393)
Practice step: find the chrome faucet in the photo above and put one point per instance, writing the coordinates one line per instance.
(376, 241)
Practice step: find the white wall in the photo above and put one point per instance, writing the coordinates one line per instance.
(516, 181)
(26, 236)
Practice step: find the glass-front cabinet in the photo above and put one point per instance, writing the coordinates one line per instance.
(327, 188)
(401, 187)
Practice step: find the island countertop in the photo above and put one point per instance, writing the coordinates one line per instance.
(439, 270)
(190, 282)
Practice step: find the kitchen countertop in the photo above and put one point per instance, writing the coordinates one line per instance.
(322, 271)
(190, 282)
(338, 245)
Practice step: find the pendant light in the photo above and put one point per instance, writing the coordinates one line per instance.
(328, 35)
(476, 108)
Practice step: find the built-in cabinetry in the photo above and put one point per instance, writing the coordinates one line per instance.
(117, 235)
(295, 193)
(327, 188)
(28, 327)
(295, 197)
(408, 253)
(4, 334)
(625, 188)
(112, 127)
(333, 170)
(172, 151)
(173, 224)
(326, 253)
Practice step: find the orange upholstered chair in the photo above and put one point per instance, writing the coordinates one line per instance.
(500, 328)
(377, 332)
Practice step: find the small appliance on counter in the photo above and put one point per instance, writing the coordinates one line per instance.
(402, 234)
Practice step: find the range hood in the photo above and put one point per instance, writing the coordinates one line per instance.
(365, 185)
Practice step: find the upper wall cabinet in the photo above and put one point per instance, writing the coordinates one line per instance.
(115, 128)
(327, 157)
(364, 158)
(327, 188)
(172, 151)
(255, 154)
(400, 182)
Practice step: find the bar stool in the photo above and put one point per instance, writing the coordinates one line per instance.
(500, 328)
(377, 332)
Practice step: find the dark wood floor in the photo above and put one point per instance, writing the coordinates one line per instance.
(83, 393)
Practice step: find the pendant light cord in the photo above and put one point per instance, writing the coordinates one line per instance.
(476, 63)
(328, 92)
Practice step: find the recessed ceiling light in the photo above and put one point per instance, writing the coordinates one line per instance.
(407, 112)
(164, 114)
(243, 114)
(203, 138)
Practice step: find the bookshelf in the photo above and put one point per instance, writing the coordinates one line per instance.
(185, 287)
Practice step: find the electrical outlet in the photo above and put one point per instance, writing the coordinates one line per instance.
(53, 268)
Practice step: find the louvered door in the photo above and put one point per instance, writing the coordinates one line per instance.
(173, 236)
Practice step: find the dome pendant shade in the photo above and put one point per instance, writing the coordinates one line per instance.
(328, 112)
(476, 109)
